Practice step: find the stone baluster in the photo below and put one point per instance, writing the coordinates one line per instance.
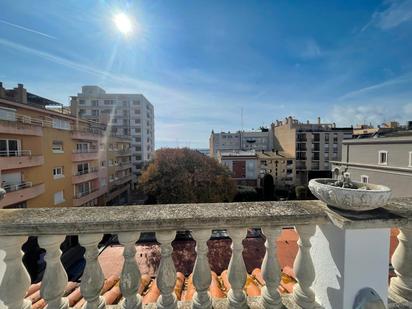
(166, 276)
(237, 273)
(271, 270)
(201, 272)
(130, 277)
(55, 278)
(92, 280)
(16, 279)
(304, 269)
(401, 285)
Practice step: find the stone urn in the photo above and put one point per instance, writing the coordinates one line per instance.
(360, 197)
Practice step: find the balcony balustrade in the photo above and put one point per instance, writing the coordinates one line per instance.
(124, 152)
(85, 175)
(18, 193)
(81, 198)
(308, 218)
(89, 155)
(15, 159)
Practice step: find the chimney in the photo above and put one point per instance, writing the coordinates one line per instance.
(334, 125)
(307, 122)
(319, 120)
(21, 94)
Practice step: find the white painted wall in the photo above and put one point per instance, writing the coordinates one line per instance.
(346, 261)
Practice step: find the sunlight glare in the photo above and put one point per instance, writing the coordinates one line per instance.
(123, 23)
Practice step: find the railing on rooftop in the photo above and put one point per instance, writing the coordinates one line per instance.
(90, 223)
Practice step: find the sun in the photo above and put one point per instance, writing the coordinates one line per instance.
(123, 23)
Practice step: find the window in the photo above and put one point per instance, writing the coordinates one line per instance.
(82, 168)
(410, 158)
(81, 102)
(58, 172)
(58, 197)
(9, 148)
(108, 102)
(383, 157)
(137, 121)
(83, 147)
(95, 102)
(61, 124)
(57, 147)
(95, 112)
(364, 179)
(136, 103)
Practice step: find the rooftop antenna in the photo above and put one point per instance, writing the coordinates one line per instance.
(241, 118)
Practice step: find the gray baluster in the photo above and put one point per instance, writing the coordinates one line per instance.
(92, 280)
(237, 273)
(130, 277)
(55, 278)
(166, 276)
(201, 272)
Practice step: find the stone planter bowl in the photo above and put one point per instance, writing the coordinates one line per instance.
(350, 199)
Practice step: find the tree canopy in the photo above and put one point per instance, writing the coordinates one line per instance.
(181, 175)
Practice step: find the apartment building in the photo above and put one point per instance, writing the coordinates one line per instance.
(280, 165)
(119, 168)
(127, 115)
(385, 160)
(242, 164)
(314, 145)
(240, 141)
(49, 158)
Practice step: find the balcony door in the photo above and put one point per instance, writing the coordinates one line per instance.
(9, 181)
(9, 147)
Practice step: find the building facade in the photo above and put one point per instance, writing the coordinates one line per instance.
(313, 145)
(49, 158)
(243, 166)
(240, 141)
(127, 115)
(280, 165)
(384, 160)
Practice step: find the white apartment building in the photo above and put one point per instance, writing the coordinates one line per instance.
(240, 141)
(127, 115)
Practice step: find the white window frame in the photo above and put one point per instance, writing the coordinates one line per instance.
(57, 149)
(58, 172)
(410, 159)
(60, 199)
(379, 157)
(364, 177)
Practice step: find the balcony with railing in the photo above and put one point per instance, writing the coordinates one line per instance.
(123, 165)
(86, 133)
(322, 281)
(85, 175)
(124, 152)
(12, 123)
(21, 192)
(14, 159)
(85, 154)
(83, 197)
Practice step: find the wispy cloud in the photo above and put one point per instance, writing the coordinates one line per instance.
(28, 29)
(398, 12)
(404, 79)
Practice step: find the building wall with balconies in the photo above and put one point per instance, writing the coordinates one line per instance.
(46, 154)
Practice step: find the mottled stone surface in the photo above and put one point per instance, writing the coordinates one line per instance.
(78, 220)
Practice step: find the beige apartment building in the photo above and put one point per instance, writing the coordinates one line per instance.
(313, 145)
(384, 160)
(49, 158)
(280, 165)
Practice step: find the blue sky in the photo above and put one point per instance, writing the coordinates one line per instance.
(201, 62)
